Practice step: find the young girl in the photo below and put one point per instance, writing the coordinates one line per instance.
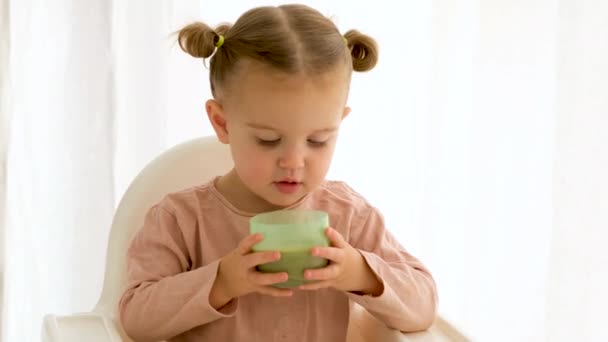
(280, 79)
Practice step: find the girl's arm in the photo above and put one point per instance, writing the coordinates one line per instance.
(164, 296)
(408, 301)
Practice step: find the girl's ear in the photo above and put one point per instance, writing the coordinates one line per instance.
(345, 112)
(215, 112)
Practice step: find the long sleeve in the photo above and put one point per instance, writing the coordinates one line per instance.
(164, 296)
(409, 299)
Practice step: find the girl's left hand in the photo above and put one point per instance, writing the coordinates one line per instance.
(347, 269)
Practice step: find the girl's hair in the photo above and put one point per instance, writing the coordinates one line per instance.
(289, 38)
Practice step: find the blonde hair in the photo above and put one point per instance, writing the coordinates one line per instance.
(289, 38)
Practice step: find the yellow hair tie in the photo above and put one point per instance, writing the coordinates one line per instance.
(345, 40)
(220, 41)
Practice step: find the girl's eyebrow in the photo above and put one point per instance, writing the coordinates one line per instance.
(259, 126)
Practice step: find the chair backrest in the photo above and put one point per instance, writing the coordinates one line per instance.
(193, 162)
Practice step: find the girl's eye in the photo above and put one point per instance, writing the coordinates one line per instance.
(264, 142)
(315, 143)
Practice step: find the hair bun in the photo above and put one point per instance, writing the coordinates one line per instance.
(363, 50)
(197, 39)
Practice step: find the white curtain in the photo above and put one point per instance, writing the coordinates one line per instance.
(4, 25)
(480, 135)
(60, 152)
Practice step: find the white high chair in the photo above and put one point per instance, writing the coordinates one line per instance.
(190, 163)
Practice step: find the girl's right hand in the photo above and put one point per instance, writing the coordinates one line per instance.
(238, 276)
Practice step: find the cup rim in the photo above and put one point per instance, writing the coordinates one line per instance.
(272, 218)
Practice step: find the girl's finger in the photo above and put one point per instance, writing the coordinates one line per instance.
(259, 278)
(335, 238)
(248, 242)
(254, 259)
(275, 292)
(326, 273)
(330, 253)
(316, 285)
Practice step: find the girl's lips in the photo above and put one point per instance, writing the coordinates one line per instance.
(288, 187)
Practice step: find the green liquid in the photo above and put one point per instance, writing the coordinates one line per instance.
(294, 263)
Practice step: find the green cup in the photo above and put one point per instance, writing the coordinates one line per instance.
(293, 233)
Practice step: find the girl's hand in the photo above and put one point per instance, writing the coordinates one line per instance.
(238, 276)
(347, 269)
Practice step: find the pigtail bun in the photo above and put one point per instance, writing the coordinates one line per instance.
(198, 40)
(363, 50)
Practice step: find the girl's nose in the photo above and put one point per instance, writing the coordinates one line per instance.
(292, 158)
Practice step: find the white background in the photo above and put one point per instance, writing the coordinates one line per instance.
(481, 135)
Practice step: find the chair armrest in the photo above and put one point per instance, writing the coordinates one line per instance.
(90, 327)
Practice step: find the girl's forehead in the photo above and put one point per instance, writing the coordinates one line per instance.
(267, 97)
(284, 113)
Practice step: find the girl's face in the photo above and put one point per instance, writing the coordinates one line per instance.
(282, 130)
